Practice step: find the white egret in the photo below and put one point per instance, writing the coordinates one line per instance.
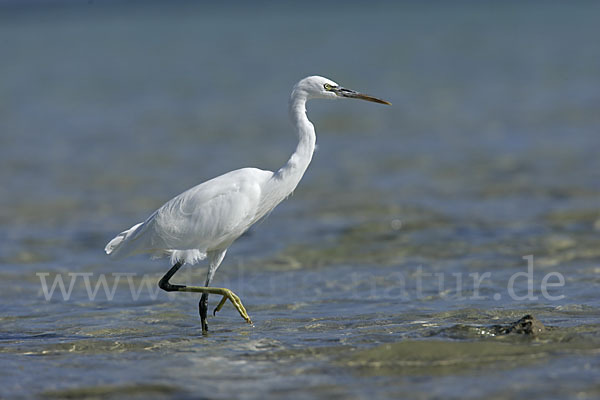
(206, 219)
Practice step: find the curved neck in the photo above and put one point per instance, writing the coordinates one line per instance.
(291, 173)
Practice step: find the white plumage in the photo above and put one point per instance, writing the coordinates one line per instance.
(206, 219)
(209, 216)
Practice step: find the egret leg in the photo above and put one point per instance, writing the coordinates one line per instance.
(164, 281)
(203, 309)
(215, 257)
(226, 293)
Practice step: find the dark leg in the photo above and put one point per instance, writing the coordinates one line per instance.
(203, 308)
(164, 281)
(165, 285)
(215, 258)
(205, 290)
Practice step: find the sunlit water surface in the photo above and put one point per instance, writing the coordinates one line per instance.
(384, 273)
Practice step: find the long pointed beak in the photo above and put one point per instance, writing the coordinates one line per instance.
(343, 92)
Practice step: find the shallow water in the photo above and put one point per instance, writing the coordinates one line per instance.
(413, 233)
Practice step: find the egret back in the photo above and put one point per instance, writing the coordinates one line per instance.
(209, 216)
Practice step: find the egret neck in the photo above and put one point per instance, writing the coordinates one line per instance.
(287, 177)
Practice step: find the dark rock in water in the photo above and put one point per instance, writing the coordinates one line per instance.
(528, 325)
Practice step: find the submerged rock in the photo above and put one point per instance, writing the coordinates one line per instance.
(528, 325)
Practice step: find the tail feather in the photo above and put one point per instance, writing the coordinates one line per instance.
(113, 246)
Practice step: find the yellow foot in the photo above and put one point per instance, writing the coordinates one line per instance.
(227, 295)
(235, 300)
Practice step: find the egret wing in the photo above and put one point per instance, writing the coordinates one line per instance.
(208, 216)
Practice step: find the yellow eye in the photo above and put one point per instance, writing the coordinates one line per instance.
(327, 86)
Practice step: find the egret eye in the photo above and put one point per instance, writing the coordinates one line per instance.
(327, 86)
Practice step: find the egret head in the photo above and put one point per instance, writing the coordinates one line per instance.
(317, 87)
